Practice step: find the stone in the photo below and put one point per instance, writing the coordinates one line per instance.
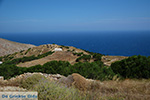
(1, 78)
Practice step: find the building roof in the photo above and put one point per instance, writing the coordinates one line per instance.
(1, 62)
(58, 49)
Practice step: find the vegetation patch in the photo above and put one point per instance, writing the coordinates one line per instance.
(84, 57)
(133, 67)
(78, 54)
(94, 70)
(25, 59)
(27, 51)
(29, 82)
(67, 47)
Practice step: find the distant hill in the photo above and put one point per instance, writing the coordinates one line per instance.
(40, 54)
(35, 55)
(10, 47)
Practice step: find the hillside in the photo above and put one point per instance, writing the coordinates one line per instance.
(75, 73)
(77, 87)
(68, 53)
(58, 56)
(10, 47)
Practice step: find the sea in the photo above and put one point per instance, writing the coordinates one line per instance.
(119, 43)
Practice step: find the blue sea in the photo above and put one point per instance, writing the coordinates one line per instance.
(109, 43)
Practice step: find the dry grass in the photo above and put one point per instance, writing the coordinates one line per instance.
(66, 80)
(108, 60)
(80, 82)
(126, 90)
(58, 56)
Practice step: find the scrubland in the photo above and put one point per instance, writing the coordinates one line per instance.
(82, 89)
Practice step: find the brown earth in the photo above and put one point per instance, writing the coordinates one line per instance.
(108, 60)
(80, 82)
(10, 47)
(58, 56)
(38, 50)
(66, 55)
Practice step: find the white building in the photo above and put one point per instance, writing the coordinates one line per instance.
(58, 49)
(1, 62)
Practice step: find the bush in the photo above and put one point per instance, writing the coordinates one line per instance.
(31, 81)
(1, 58)
(18, 60)
(27, 51)
(25, 59)
(86, 58)
(50, 90)
(94, 70)
(133, 67)
(67, 47)
(78, 54)
(97, 56)
(45, 54)
(9, 71)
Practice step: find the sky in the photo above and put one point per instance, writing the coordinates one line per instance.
(26, 16)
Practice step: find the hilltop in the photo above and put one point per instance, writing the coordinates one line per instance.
(10, 47)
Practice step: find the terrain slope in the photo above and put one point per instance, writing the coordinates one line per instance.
(9, 47)
(68, 53)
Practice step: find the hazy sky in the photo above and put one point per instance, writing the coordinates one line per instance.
(21, 16)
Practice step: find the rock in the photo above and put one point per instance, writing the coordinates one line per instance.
(26, 75)
(66, 80)
(1, 78)
(71, 80)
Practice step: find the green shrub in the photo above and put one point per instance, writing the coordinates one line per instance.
(18, 60)
(22, 51)
(133, 67)
(1, 58)
(78, 54)
(94, 70)
(67, 47)
(25, 59)
(44, 54)
(55, 67)
(8, 71)
(97, 56)
(86, 58)
(27, 51)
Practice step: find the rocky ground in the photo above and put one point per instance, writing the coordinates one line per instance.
(127, 89)
(12, 84)
(9, 47)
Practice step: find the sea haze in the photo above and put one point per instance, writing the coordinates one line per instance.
(108, 43)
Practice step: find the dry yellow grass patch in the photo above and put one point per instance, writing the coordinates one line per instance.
(122, 90)
(80, 82)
